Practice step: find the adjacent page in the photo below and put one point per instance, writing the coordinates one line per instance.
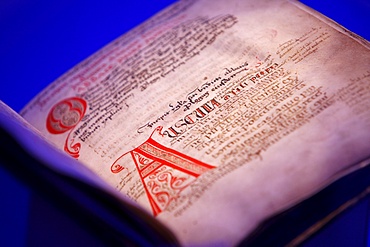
(73, 191)
(215, 115)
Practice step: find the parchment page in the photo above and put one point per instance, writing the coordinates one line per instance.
(215, 114)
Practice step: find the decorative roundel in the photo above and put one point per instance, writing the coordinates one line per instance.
(65, 115)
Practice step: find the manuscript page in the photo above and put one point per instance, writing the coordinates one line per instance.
(216, 114)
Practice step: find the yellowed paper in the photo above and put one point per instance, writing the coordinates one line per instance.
(214, 115)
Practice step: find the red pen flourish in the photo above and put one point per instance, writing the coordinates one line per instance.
(164, 172)
(63, 117)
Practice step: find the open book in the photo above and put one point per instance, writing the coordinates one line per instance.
(207, 121)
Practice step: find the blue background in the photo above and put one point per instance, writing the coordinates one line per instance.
(42, 39)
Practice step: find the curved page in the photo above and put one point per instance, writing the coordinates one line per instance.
(214, 115)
